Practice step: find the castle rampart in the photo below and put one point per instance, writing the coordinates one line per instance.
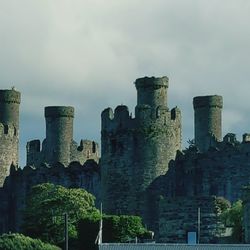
(207, 117)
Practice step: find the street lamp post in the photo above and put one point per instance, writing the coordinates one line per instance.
(66, 235)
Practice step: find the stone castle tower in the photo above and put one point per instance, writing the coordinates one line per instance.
(137, 150)
(207, 121)
(59, 145)
(9, 131)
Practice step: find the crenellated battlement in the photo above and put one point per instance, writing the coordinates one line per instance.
(59, 111)
(118, 119)
(152, 91)
(175, 114)
(33, 146)
(149, 82)
(8, 130)
(208, 101)
(90, 147)
(10, 96)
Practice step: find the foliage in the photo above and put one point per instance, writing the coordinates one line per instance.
(21, 242)
(233, 217)
(115, 229)
(222, 204)
(46, 205)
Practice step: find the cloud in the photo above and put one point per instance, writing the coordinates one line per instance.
(89, 53)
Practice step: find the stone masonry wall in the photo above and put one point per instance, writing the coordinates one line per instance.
(18, 184)
(137, 150)
(179, 216)
(220, 171)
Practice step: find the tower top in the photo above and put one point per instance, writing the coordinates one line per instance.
(10, 96)
(59, 111)
(208, 101)
(151, 82)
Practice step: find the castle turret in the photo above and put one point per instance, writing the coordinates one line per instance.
(59, 133)
(9, 131)
(152, 91)
(137, 150)
(207, 121)
(59, 145)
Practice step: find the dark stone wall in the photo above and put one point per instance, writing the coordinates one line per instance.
(179, 216)
(17, 186)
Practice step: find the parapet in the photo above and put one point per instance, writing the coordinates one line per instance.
(230, 138)
(59, 111)
(151, 81)
(246, 138)
(10, 96)
(107, 114)
(33, 146)
(121, 112)
(208, 101)
(175, 113)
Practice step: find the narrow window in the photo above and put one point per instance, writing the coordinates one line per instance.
(93, 147)
(6, 129)
(113, 146)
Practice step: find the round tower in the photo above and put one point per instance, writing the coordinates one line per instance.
(207, 121)
(9, 130)
(152, 91)
(135, 151)
(59, 134)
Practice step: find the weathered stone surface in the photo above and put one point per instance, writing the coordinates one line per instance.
(178, 216)
(207, 119)
(137, 150)
(9, 131)
(18, 184)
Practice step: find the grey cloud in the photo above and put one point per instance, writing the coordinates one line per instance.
(88, 53)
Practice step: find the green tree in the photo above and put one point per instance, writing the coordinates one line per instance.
(21, 242)
(121, 228)
(45, 207)
(233, 217)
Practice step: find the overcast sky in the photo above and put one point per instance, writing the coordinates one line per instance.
(88, 53)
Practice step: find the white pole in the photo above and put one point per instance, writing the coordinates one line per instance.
(199, 225)
(100, 230)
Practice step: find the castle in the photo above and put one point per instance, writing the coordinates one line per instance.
(142, 169)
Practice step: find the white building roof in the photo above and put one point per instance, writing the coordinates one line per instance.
(141, 246)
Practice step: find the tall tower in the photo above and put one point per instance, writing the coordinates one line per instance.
(59, 145)
(59, 133)
(137, 150)
(9, 131)
(207, 121)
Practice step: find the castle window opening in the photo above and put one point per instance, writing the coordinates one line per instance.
(93, 148)
(113, 146)
(6, 129)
